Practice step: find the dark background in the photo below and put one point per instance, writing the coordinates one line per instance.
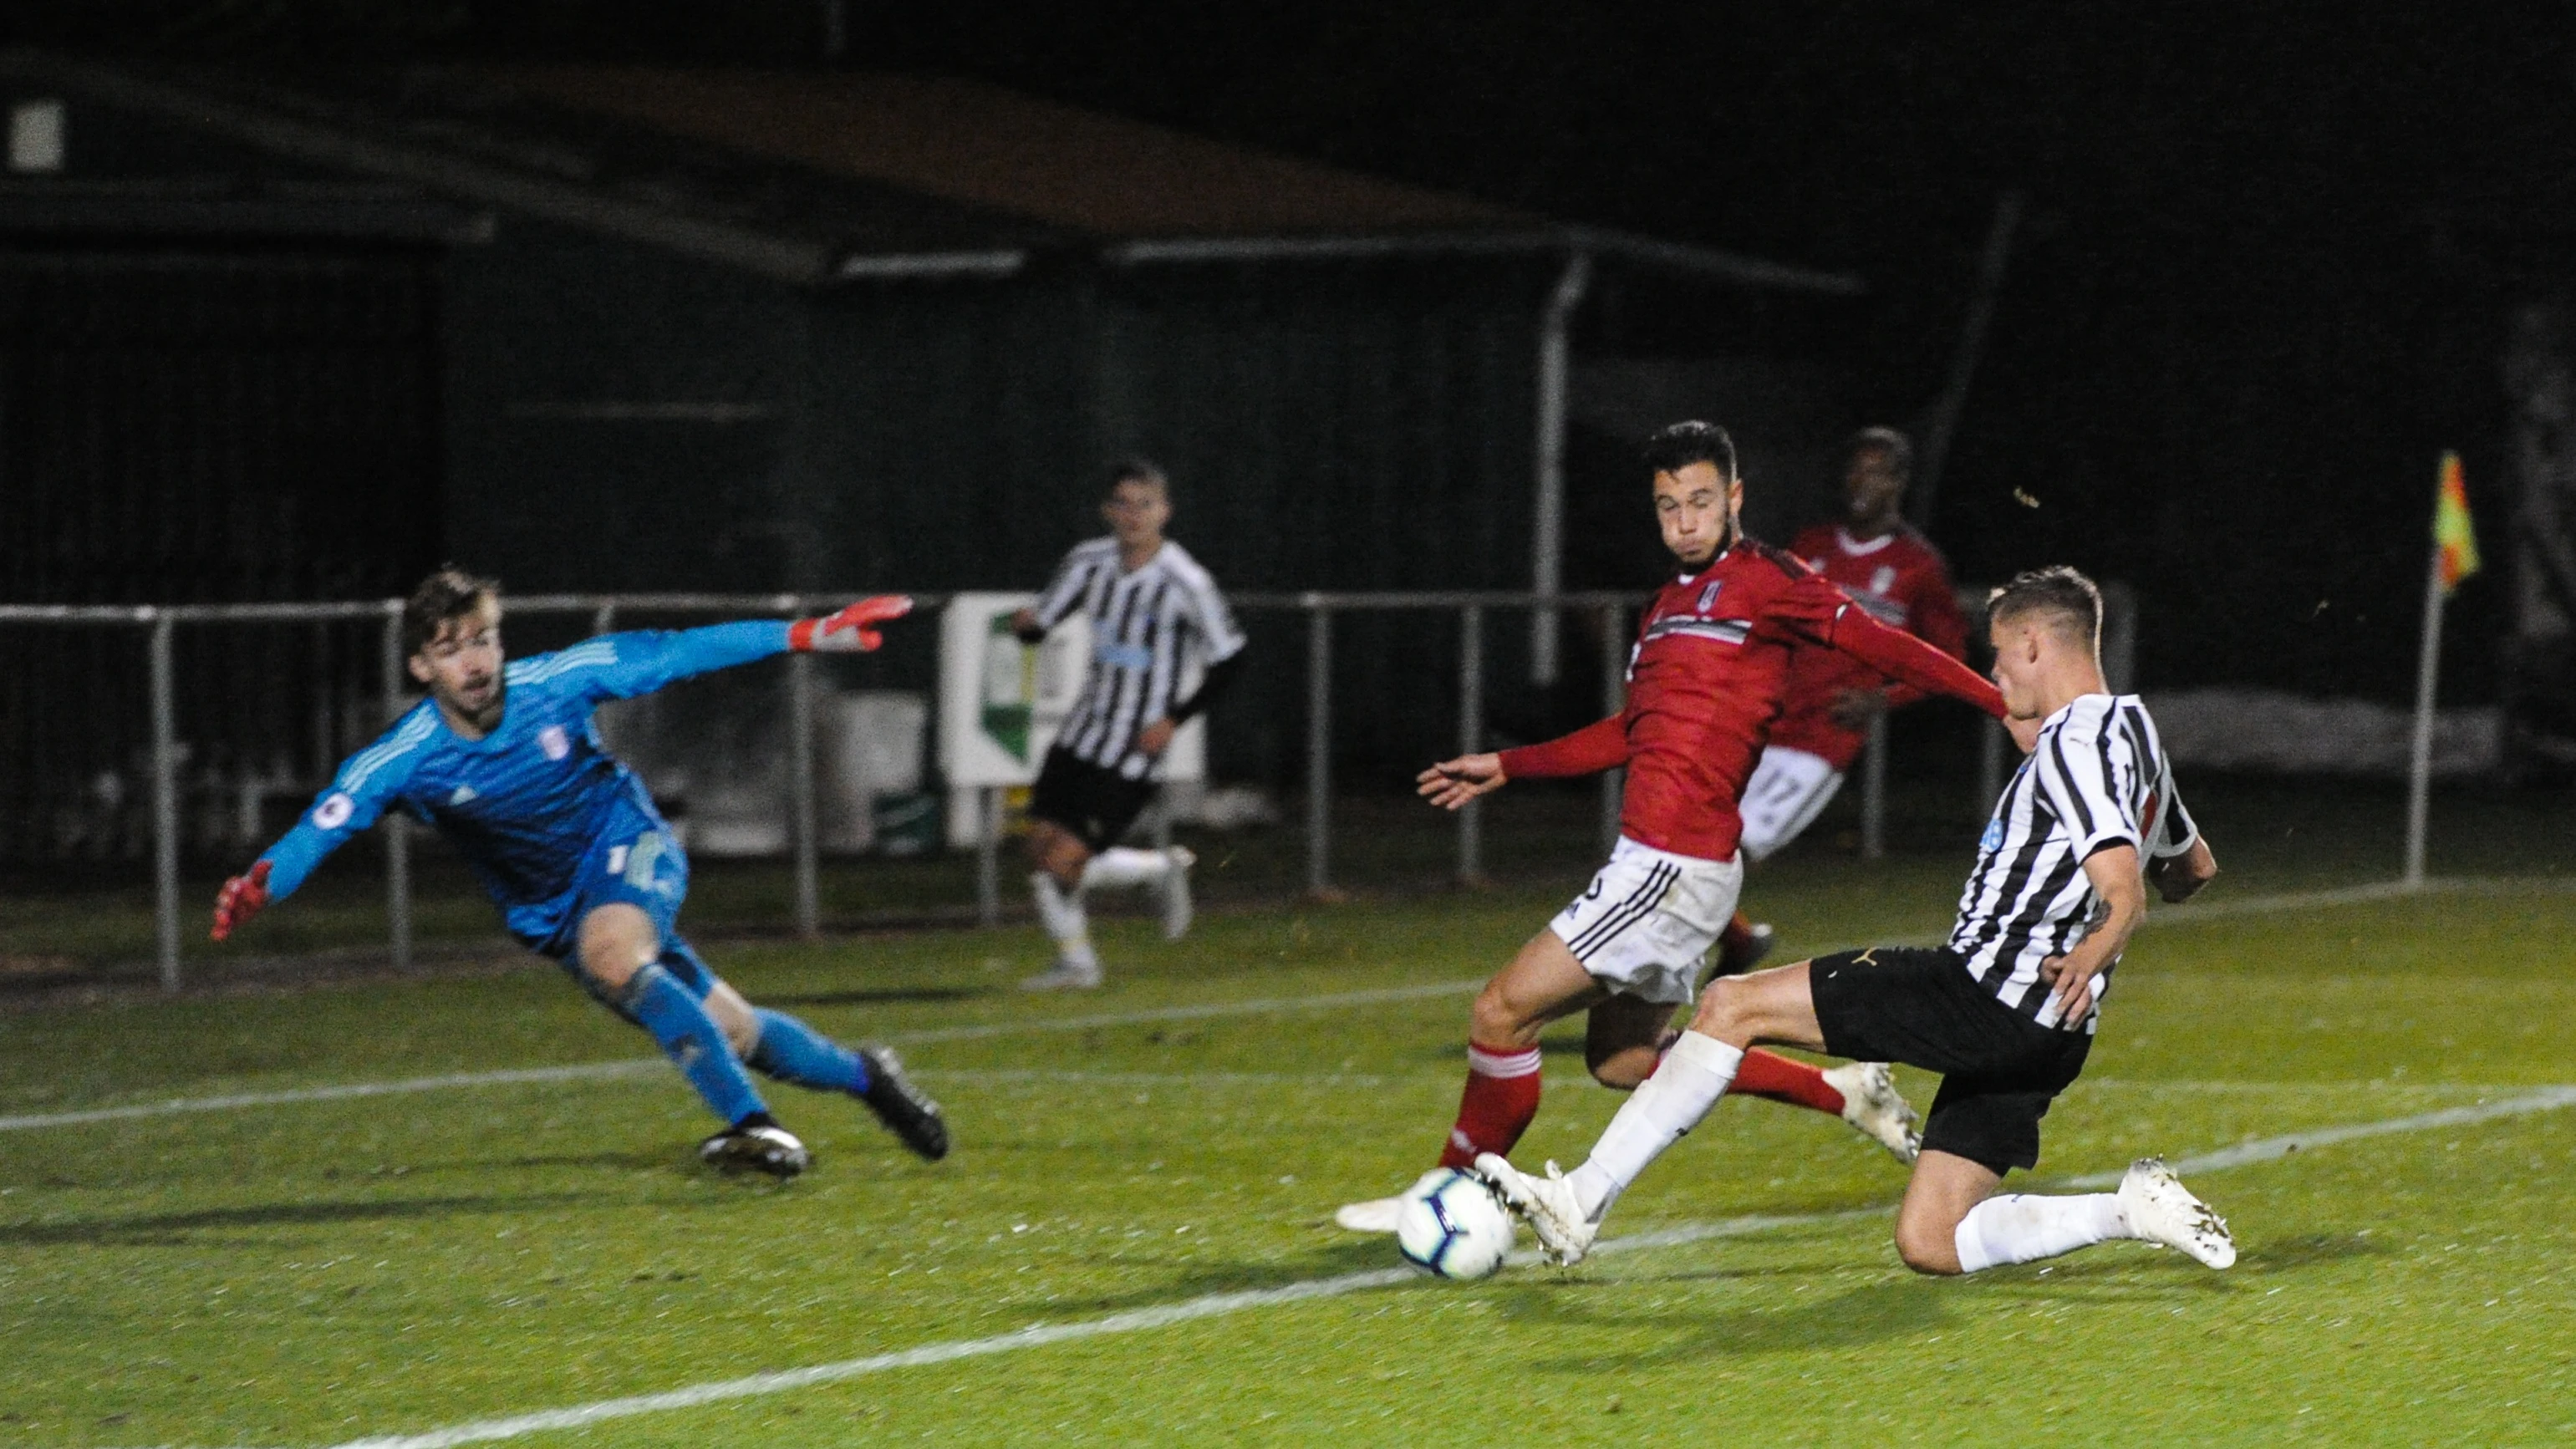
(2261, 284)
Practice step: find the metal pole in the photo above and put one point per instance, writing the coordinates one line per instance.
(1471, 736)
(800, 794)
(1319, 750)
(603, 619)
(2119, 637)
(1935, 454)
(1547, 512)
(1873, 790)
(1990, 767)
(2419, 763)
(165, 802)
(397, 833)
(988, 856)
(1614, 698)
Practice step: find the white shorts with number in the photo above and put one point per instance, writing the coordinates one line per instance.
(1650, 919)
(1789, 789)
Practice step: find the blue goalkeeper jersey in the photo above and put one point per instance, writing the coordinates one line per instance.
(525, 803)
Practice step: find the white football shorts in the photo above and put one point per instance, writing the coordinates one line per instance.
(1789, 789)
(1650, 919)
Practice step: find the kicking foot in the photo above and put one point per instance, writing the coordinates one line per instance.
(1378, 1214)
(905, 1109)
(1065, 975)
(1875, 1109)
(1546, 1204)
(1176, 892)
(2161, 1210)
(755, 1146)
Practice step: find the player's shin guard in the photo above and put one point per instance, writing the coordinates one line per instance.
(694, 1043)
(1500, 1102)
(1686, 1084)
(791, 1051)
(1763, 1074)
(2018, 1227)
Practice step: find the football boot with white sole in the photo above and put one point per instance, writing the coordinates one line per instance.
(1547, 1204)
(905, 1109)
(752, 1145)
(1875, 1109)
(2161, 1210)
(1065, 975)
(1378, 1214)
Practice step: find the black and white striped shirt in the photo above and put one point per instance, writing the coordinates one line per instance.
(1143, 625)
(2097, 778)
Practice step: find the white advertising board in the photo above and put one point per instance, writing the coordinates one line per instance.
(1001, 701)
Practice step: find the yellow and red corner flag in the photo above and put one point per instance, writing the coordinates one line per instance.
(2455, 543)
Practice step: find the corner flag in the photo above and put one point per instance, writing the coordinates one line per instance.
(2455, 543)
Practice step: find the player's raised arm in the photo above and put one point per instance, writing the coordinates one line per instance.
(1841, 624)
(368, 781)
(638, 662)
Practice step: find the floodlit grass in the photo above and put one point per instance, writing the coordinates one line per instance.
(313, 1273)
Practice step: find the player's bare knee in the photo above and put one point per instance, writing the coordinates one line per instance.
(1928, 1247)
(1496, 1021)
(1623, 1070)
(1725, 1010)
(735, 1017)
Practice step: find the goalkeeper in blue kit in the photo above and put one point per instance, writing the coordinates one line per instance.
(505, 761)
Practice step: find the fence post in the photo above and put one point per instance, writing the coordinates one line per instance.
(165, 802)
(1990, 767)
(988, 856)
(800, 795)
(1319, 749)
(1471, 736)
(1873, 790)
(1614, 698)
(397, 826)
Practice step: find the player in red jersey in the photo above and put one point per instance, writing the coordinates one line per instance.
(1707, 676)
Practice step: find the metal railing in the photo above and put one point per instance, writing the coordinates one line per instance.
(1610, 612)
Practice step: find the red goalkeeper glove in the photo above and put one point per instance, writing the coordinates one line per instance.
(848, 631)
(242, 897)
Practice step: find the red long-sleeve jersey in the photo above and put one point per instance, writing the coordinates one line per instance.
(1705, 680)
(1902, 580)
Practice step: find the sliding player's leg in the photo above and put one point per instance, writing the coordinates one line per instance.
(1567, 1209)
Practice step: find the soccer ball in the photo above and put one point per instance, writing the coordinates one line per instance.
(1454, 1225)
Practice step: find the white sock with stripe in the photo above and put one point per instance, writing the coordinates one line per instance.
(1125, 865)
(1060, 911)
(2020, 1227)
(1686, 1084)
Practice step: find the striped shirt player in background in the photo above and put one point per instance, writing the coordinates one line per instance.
(1890, 569)
(507, 763)
(2005, 1011)
(1712, 658)
(1150, 606)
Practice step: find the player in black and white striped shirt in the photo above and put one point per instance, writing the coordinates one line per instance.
(1154, 613)
(2005, 1011)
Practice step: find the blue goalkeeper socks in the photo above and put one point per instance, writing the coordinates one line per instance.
(694, 1042)
(791, 1051)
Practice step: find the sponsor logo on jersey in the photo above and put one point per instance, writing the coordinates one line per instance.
(334, 811)
(1993, 837)
(1708, 596)
(554, 742)
(1123, 656)
(1883, 580)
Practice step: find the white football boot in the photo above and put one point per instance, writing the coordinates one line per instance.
(1875, 1109)
(2161, 1210)
(1176, 893)
(1066, 974)
(1378, 1214)
(1547, 1204)
(769, 1149)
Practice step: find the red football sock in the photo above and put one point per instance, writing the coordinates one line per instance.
(1500, 1102)
(1782, 1080)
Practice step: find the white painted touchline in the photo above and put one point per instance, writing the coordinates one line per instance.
(646, 1066)
(1217, 1305)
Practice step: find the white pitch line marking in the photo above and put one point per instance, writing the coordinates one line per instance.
(1216, 1305)
(645, 1066)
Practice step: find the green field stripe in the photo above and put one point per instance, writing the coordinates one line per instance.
(1214, 1305)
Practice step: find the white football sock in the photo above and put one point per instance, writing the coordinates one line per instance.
(1686, 1084)
(2018, 1227)
(1060, 911)
(1125, 865)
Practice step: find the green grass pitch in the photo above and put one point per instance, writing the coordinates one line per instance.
(324, 1271)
